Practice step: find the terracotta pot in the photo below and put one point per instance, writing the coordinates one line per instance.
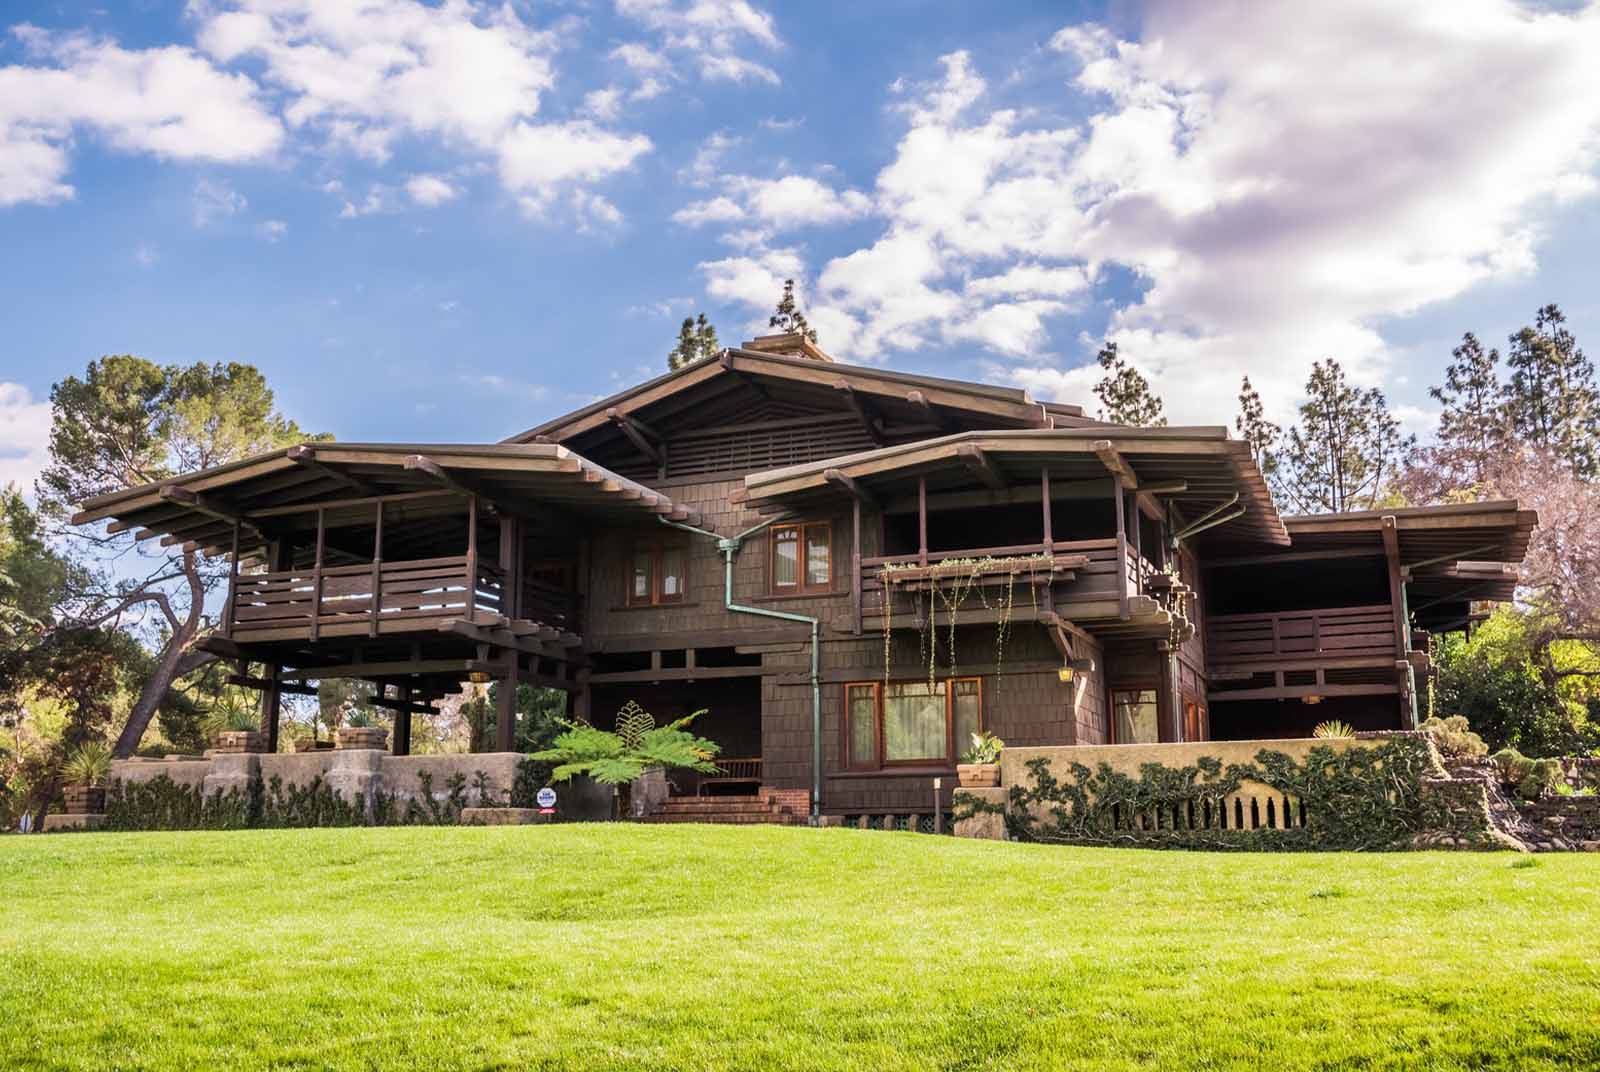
(372, 737)
(85, 799)
(977, 775)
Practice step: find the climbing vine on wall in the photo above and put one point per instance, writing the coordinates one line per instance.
(1357, 799)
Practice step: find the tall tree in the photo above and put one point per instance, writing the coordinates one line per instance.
(697, 341)
(1348, 450)
(1125, 395)
(128, 422)
(788, 318)
(1254, 428)
(1551, 400)
(1473, 431)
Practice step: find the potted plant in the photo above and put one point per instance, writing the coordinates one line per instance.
(620, 758)
(86, 771)
(233, 726)
(980, 764)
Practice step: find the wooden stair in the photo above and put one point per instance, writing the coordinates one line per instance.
(784, 807)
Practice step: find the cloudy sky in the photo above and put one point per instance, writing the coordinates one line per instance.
(450, 220)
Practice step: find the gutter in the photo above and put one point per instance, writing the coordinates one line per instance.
(729, 546)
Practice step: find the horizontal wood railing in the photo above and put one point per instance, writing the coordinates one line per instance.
(1333, 632)
(734, 769)
(389, 591)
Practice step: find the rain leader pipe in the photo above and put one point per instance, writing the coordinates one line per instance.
(729, 546)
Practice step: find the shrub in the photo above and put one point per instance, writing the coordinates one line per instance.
(89, 764)
(1453, 737)
(1530, 777)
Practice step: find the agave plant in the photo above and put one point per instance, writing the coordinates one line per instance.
(637, 745)
(231, 714)
(1333, 728)
(89, 764)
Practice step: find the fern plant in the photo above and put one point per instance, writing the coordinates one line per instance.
(619, 757)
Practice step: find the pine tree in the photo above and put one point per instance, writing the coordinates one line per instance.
(1472, 419)
(1349, 450)
(1255, 429)
(1551, 400)
(1125, 394)
(788, 319)
(697, 341)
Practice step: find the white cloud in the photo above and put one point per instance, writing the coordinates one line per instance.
(603, 104)
(755, 280)
(536, 160)
(798, 201)
(24, 436)
(708, 159)
(168, 102)
(712, 210)
(146, 254)
(1275, 198)
(707, 33)
(380, 199)
(272, 230)
(214, 200)
(430, 191)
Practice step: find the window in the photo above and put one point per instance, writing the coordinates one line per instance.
(802, 558)
(656, 574)
(910, 722)
(1134, 718)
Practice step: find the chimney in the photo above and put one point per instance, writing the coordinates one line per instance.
(793, 344)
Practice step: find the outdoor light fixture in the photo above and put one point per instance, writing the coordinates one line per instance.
(1312, 699)
(1073, 667)
(1065, 673)
(479, 677)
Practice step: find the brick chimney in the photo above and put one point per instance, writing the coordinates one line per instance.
(793, 344)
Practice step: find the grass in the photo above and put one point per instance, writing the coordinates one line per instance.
(616, 946)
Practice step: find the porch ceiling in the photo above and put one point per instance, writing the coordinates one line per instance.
(1206, 468)
(277, 491)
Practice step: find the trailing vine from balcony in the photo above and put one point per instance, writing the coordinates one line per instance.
(949, 584)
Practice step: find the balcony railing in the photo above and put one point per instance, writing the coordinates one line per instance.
(1337, 632)
(376, 594)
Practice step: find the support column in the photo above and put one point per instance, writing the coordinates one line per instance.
(271, 703)
(402, 721)
(505, 722)
(1122, 548)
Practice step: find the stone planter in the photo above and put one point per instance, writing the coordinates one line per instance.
(369, 737)
(307, 744)
(235, 741)
(85, 799)
(978, 775)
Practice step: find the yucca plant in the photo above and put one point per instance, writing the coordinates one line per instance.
(88, 765)
(230, 715)
(1333, 728)
(619, 757)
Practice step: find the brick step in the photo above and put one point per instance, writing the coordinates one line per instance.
(699, 805)
(726, 818)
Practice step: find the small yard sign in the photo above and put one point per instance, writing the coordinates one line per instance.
(546, 799)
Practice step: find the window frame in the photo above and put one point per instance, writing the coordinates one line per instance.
(1111, 711)
(802, 585)
(952, 756)
(652, 552)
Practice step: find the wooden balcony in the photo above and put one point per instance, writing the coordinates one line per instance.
(379, 598)
(1302, 637)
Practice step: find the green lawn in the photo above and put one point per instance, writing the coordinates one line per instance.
(615, 946)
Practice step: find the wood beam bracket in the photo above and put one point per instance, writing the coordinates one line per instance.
(306, 458)
(639, 434)
(981, 465)
(1115, 463)
(850, 486)
(864, 412)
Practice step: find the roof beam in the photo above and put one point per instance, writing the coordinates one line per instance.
(639, 433)
(726, 361)
(306, 458)
(851, 487)
(421, 463)
(863, 411)
(206, 505)
(920, 403)
(1115, 463)
(981, 465)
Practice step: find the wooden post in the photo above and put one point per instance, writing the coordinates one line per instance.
(316, 575)
(377, 578)
(922, 521)
(1138, 544)
(1397, 601)
(508, 566)
(270, 705)
(233, 584)
(1122, 549)
(938, 808)
(472, 558)
(505, 722)
(855, 563)
(1049, 537)
(402, 721)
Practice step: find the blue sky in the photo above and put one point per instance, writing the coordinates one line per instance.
(451, 221)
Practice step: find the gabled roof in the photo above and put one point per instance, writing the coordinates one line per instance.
(1199, 468)
(266, 490)
(741, 369)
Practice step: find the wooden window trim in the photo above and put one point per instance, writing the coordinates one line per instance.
(803, 585)
(1111, 708)
(653, 550)
(952, 751)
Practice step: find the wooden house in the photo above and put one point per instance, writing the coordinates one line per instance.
(851, 568)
